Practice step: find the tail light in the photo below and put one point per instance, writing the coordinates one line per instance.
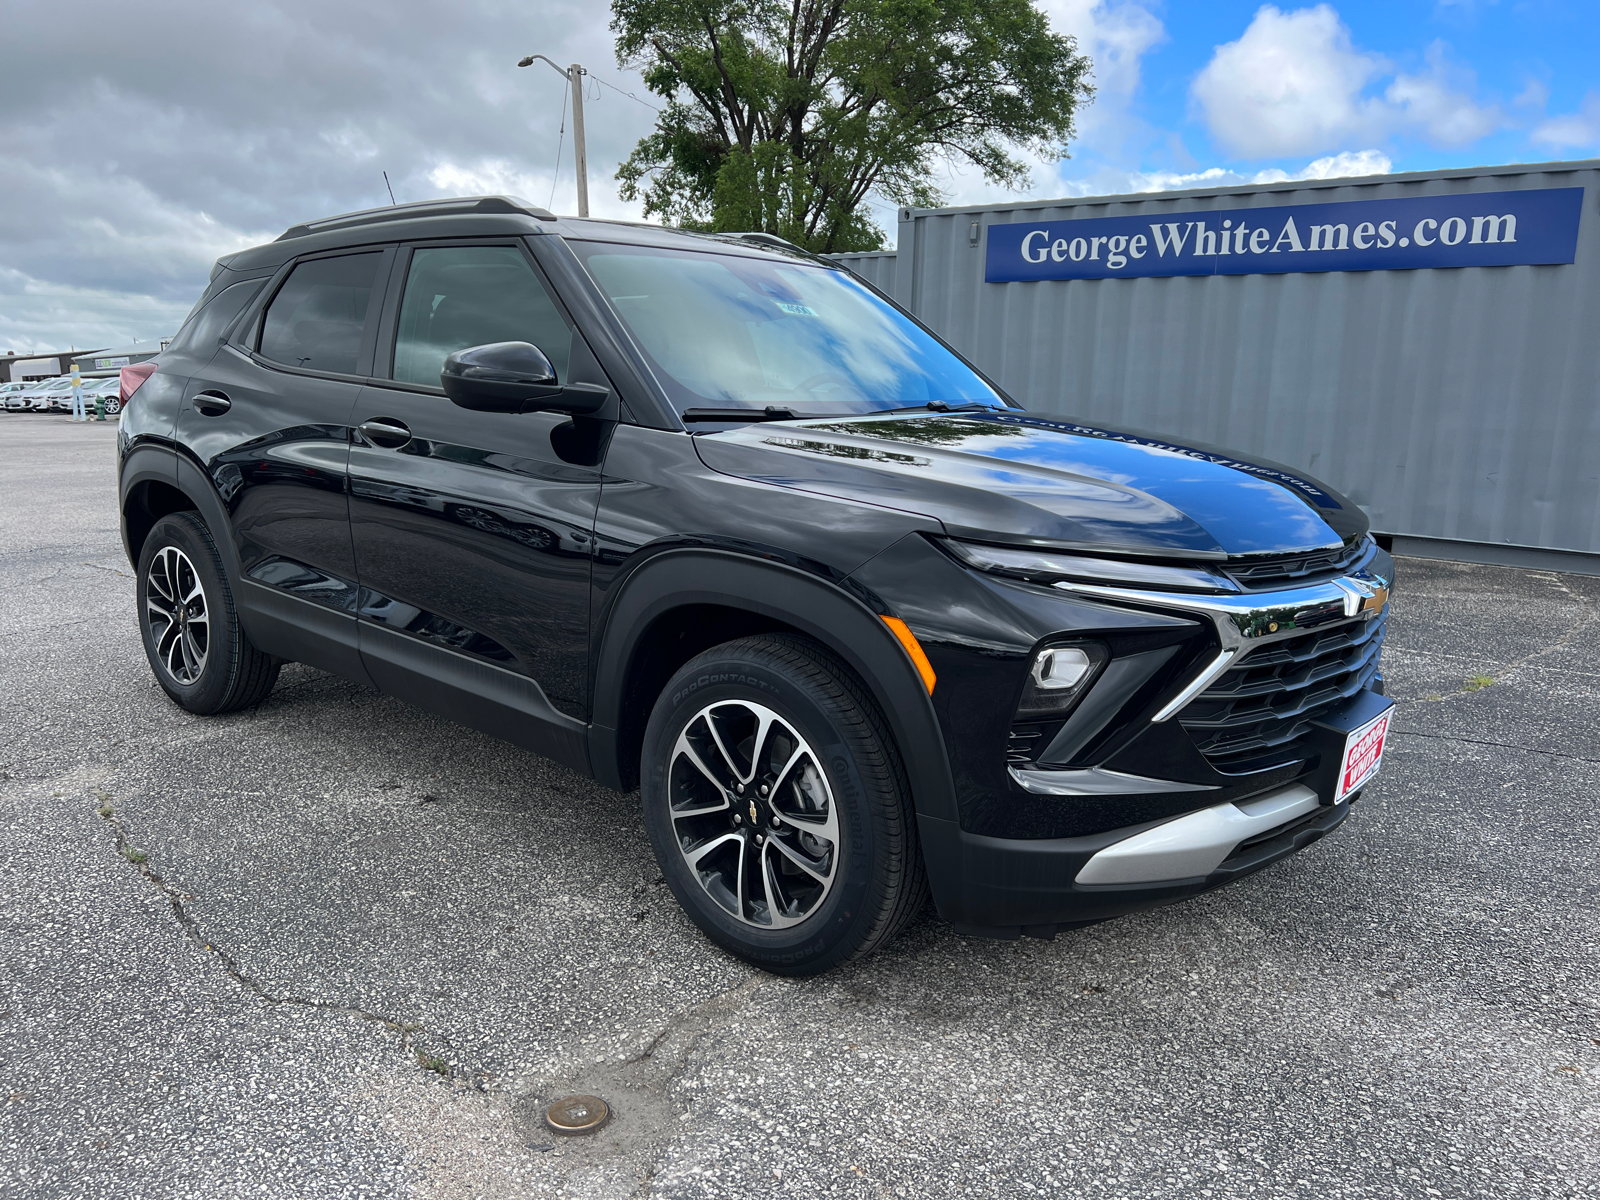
(131, 379)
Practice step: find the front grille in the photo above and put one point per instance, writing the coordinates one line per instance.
(1259, 713)
(1297, 569)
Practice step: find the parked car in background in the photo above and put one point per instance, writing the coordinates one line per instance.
(709, 517)
(8, 390)
(54, 396)
(109, 392)
(27, 400)
(20, 396)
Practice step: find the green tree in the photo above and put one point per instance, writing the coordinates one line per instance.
(783, 116)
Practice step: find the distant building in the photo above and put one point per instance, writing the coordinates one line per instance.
(109, 362)
(15, 368)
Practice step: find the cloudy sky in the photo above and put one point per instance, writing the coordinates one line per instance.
(140, 142)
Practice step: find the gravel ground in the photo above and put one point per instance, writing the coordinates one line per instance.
(337, 947)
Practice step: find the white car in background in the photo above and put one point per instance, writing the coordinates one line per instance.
(54, 395)
(26, 400)
(8, 390)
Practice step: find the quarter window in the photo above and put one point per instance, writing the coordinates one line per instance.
(464, 296)
(316, 319)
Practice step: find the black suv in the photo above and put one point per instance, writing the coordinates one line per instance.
(710, 517)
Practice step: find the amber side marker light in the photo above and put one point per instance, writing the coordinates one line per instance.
(914, 649)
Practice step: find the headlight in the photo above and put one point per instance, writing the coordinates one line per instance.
(1047, 566)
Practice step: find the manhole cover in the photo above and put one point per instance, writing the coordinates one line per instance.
(577, 1114)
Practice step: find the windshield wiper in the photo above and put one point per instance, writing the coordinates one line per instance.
(770, 413)
(945, 406)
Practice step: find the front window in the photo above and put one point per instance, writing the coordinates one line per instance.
(727, 332)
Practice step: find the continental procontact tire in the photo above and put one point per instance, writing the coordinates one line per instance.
(777, 807)
(192, 637)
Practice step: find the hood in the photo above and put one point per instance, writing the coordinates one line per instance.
(1018, 477)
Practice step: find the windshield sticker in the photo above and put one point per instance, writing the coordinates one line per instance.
(1295, 483)
(798, 310)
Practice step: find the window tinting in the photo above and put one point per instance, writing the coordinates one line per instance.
(729, 331)
(315, 320)
(205, 324)
(470, 296)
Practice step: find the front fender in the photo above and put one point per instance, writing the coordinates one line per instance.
(840, 620)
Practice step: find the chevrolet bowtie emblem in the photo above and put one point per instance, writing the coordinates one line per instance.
(1367, 595)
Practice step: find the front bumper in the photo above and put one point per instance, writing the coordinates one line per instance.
(1007, 887)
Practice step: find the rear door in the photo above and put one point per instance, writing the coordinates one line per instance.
(472, 530)
(268, 422)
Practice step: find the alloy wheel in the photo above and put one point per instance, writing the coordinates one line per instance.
(175, 607)
(753, 814)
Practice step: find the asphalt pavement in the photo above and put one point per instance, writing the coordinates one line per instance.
(337, 947)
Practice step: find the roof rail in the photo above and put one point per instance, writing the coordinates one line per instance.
(422, 208)
(767, 239)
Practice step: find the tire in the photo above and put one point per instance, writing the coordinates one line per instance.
(196, 646)
(828, 854)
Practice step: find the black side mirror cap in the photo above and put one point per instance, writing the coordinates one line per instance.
(514, 377)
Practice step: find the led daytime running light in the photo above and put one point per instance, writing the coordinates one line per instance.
(1048, 565)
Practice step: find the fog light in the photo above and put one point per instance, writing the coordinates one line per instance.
(1058, 677)
(1061, 668)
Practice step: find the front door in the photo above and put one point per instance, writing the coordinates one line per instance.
(471, 532)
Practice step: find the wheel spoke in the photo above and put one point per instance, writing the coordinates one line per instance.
(699, 852)
(159, 572)
(732, 763)
(775, 911)
(799, 860)
(686, 749)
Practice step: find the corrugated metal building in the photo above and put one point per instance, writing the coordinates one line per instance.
(1459, 405)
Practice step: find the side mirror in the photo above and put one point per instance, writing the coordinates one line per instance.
(513, 377)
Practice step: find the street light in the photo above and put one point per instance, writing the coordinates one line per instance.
(573, 75)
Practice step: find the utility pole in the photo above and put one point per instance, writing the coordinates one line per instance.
(580, 153)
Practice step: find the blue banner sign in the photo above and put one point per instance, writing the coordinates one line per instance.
(1468, 229)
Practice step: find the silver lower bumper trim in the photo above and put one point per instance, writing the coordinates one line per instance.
(1097, 781)
(1194, 845)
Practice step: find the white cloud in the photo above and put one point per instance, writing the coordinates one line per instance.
(1336, 166)
(1116, 36)
(1347, 164)
(1579, 129)
(1295, 83)
(1438, 103)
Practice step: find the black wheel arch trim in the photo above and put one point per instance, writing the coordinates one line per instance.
(142, 465)
(820, 609)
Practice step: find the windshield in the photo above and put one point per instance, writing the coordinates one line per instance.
(725, 331)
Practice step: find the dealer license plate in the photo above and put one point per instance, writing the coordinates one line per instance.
(1363, 752)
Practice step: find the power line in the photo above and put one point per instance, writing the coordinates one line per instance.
(620, 92)
(560, 141)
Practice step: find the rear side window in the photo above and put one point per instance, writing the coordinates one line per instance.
(462, 296)
(316, 319)
(207, 323)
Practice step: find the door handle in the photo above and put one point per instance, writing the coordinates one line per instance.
(212, 403)
(385, 431)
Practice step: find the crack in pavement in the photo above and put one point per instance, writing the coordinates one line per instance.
(1450, 737)
(175, 898)
(1589, 614)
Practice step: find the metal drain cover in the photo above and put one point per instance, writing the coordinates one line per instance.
(573, 1115)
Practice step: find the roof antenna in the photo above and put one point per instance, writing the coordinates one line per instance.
(388, 185)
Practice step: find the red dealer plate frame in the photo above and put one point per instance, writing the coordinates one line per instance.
(1363, 755)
